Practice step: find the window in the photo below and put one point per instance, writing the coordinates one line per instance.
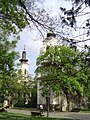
(25, 71)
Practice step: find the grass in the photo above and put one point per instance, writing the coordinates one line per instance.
(14, 116)
(85, 110)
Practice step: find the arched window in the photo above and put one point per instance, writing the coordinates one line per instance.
(25, 71)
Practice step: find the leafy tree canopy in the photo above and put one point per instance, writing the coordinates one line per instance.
(77, 20)
(61, 69)
(8, 56)
(16, 15)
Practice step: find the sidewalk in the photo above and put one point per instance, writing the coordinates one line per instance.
(71, 115)
(51, 114)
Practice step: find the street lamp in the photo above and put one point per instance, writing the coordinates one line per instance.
(48, 101)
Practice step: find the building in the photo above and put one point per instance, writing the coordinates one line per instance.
(50, 40)
(59, 101)
(24, 77)
(24, 66)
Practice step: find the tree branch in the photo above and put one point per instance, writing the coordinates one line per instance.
(31, 17)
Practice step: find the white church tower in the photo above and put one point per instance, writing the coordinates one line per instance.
(50, 40)
(24, 65)
(59, 101)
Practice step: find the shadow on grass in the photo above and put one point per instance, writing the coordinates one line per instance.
(14, 116)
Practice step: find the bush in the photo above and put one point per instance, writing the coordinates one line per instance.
(88, 102)
(21, 103)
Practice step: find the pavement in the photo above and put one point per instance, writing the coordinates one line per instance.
(71, 115)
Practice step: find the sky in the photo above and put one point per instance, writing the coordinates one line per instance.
(29, 37)
(32, 48)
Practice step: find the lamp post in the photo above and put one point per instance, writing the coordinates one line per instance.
(48, 101)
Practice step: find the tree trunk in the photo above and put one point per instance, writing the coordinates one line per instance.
(68, 105)
(68, 102)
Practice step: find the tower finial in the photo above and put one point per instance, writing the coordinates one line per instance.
(51, 24)
(24, 47)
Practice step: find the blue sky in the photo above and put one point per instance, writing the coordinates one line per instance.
(32, 47)
(29, 37)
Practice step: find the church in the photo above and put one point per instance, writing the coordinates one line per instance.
(59, 101)
(56, 102)
(50, 40)
(24, 66)
(25, 78)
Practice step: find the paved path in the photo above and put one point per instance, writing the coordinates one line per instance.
(72, 115)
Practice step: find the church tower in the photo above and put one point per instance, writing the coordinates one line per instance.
(24, 74)
(24, 64)
(50, 40)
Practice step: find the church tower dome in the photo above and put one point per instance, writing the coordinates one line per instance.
(23, 59)
(51, 33)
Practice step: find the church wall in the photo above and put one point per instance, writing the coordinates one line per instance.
(58, 101)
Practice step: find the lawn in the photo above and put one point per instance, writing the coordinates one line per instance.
(14, 116)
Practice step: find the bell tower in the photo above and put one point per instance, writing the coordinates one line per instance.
(50, 40)
(24, 64)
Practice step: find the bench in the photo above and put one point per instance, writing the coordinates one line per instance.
(34, 113)
(3, 110)
(75, 110)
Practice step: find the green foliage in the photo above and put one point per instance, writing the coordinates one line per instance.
(62, 70)
(33, 102)
(12, 16)
(16, 15)
(88, 102)
(8, 74)
(25, 91)
(70, 20)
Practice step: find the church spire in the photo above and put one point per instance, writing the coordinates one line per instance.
(23, 59)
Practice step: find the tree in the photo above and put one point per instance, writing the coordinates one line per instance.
(8, 56)
(77, 20)
(61, 69)
(16, 15)
(86, 67)
(25, 96)
(70, 17)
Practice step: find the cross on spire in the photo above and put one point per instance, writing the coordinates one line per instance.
(24, 47)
